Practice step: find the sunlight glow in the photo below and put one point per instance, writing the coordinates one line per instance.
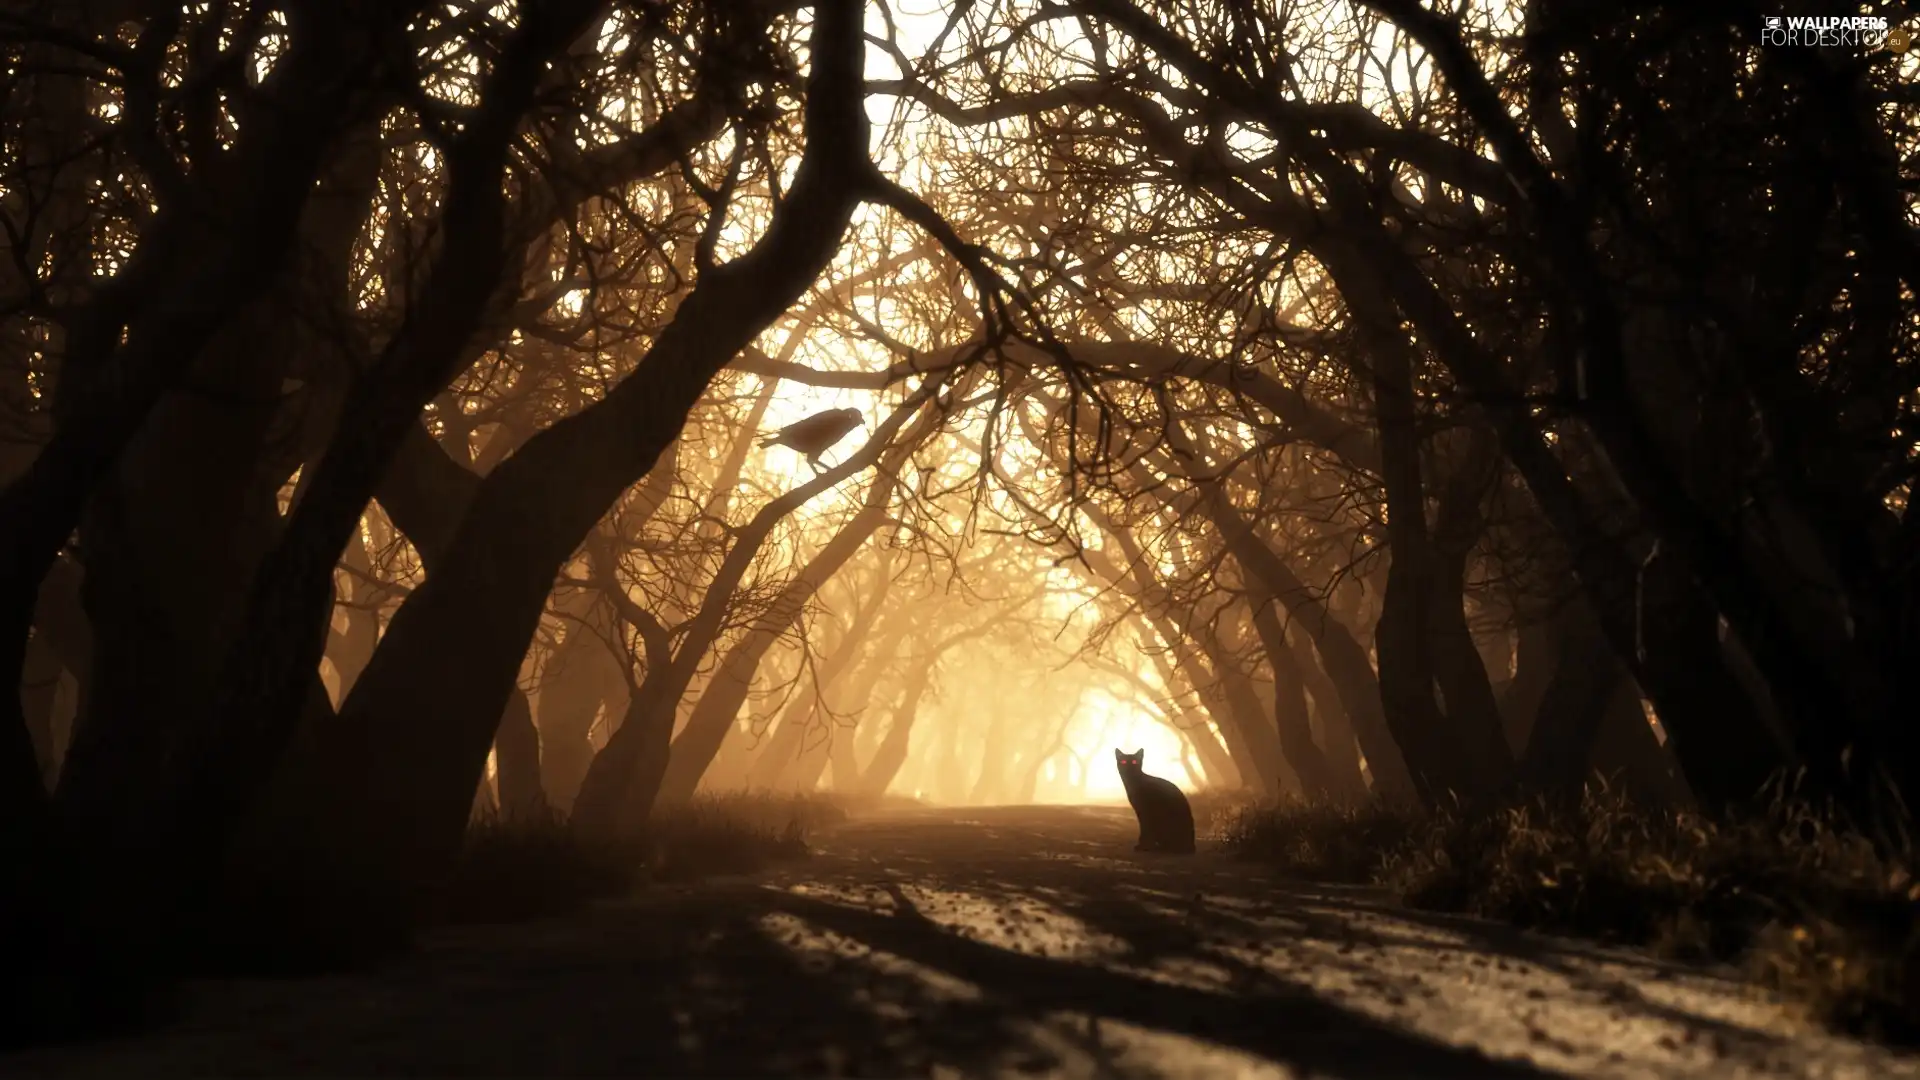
(1110, 724)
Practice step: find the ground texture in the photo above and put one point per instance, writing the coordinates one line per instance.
(1019, 941)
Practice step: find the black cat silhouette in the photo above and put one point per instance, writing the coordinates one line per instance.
(1166, 820)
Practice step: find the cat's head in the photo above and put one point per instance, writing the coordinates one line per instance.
(1124, 761)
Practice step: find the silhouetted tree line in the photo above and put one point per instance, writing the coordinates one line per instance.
(374, 402)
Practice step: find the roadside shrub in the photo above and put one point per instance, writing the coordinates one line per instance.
(1807, 909)
(534, 866)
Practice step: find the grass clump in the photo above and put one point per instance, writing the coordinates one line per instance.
(734, 833)
(1216, 809)
(1323, 842)
(1802, 907)
(529, 866)
(533, 866)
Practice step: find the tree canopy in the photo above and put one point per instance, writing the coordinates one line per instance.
(1387, 402)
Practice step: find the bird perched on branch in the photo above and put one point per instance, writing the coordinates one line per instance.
(816, 434)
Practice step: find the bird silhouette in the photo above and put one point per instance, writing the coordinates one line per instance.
(816, 434)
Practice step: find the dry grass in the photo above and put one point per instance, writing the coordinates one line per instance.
(530, 868)
(1216, 809)
(1806, 909)
(506, 871)
(1323, 842)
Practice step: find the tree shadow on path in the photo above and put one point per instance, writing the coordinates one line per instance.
(1019, 942)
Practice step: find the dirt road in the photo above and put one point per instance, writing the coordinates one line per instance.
(1021, 941)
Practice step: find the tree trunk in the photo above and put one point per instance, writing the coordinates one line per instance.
(1341, 657)
(351, 648)
(581, 676)
(840, 744)
(39, 694)
(516, 757)
(892, 752)
(186, 280)
(845, 764)
(1725, 751)
(1653, 617)
(1402, 646)
(692, 751)
(1211, 689)
(1214, 755)
(414, 735)
(172, 537)
(728, 771)
(993, 761)
(1290, 709)
(785, 738)
(1630, 756)
(1253, 718)
(836, 744)
(1030, 775)
(1472, 711)
(1532, 672)
(231, 749)
(789, 757)
(1421, 640)
(950, 767)
(426, 495)
(1214, 759)
(60, 626)
(1223, 640)
(484, 805)
(1586, 676)
(719, 704)
(1195, 655)
(1339, 750)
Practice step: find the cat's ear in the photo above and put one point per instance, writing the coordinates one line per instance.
(1141, 753)
(1118, 756)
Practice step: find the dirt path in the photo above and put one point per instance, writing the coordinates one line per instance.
(1015, 941)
